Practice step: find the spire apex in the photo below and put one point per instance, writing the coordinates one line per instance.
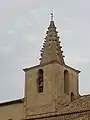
(52, 15)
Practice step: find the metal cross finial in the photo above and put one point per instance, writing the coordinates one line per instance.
(52, 15)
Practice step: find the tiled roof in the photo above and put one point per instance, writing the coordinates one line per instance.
(80, 104)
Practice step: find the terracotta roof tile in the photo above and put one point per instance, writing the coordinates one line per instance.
(82, 103)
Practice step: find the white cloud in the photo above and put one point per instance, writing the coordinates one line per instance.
(10, 32)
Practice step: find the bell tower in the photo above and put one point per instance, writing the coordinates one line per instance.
(51, 85)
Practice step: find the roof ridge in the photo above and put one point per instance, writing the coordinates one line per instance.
(12, 102)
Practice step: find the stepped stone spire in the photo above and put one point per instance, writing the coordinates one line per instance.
(51, 50)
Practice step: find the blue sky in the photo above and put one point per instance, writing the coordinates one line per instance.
(23, 24)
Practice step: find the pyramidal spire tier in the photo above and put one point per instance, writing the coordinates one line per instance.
(51, 50)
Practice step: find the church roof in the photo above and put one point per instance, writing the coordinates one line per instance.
(80, 104)
(12, 102)
(51, 47)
